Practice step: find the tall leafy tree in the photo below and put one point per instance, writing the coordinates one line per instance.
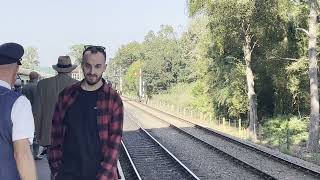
(313, 142)
(162, 59)
(238, 27)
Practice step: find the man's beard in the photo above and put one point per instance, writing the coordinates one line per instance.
(92, 82)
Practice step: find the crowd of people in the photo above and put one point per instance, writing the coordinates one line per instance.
(78, 125)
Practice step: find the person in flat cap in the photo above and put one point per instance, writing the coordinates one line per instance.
(16, 120)
(47, 95)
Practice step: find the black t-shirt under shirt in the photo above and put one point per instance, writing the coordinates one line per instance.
(81, 148)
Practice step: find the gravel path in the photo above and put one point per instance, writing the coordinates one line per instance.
(266, 164)
(150, 160)
(204, 162)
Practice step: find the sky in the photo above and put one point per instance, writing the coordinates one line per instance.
(53, 26)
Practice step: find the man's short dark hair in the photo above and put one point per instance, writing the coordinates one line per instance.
(94, 50)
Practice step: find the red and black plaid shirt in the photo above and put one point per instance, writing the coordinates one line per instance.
(109, 120)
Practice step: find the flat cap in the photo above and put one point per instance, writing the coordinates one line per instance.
(11, 53)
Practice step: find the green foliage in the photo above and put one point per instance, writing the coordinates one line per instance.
(298, 85)
(273, 26)
(131, 79)
(161, 55)
(179, 95)
(205, 68)
(76, 53)
(287, 130)
(201, 98)
(127, 54)
(227, 87)
(195, 44)
(30, 59)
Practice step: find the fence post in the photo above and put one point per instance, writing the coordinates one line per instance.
(239, 127)
(288, 135)
(260, 130)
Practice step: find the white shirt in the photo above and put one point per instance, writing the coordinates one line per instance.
(22, 118)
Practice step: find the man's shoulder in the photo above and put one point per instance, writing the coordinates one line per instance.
(70, 89)
(113, 93)
(23, 100)
(66, 77)
(45, 81)
(13, 94)
(29, 86)
(21, 103)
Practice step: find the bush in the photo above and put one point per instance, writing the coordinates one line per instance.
(178, 95)
(285, 130)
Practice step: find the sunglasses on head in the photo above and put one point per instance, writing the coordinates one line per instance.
(95, 48)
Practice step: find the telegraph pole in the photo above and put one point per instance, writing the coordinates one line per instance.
(140, 83)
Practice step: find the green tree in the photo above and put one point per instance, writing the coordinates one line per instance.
(30, 59)
(162, 57)
(238, 28)
(131, 78)
(313, 142)
(76, 53)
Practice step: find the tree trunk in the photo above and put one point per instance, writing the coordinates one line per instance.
(313, 142)
(253, 118)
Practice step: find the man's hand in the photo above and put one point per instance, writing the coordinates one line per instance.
(54, 176)
(24, 160)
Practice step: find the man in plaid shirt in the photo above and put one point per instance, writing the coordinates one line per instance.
(87, 125)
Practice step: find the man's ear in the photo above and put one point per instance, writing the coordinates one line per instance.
(105, 67)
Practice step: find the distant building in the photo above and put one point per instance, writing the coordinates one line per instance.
(77, 73)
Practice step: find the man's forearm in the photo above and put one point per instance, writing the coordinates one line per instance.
(24, 160)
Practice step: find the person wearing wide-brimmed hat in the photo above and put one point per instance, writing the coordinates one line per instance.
(47, 94)
(16, 120)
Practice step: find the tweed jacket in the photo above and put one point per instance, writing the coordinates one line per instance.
(44, 102)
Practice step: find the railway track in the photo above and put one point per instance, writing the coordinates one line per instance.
(268, 165)
(127, 165)
(149, 159)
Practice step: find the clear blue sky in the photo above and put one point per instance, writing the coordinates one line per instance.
(53, 26)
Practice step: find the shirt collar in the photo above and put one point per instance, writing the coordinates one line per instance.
(5, 84)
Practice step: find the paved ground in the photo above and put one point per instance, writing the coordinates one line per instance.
(43, 169)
